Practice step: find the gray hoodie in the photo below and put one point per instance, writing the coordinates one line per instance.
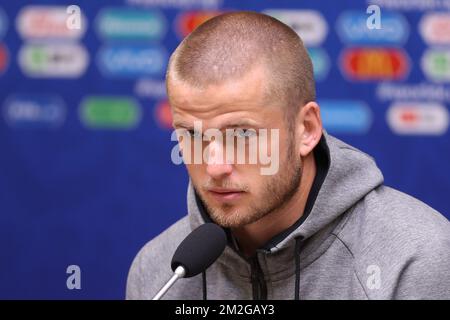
(357, 239)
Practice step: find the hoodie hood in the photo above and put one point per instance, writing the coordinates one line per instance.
(350, 176)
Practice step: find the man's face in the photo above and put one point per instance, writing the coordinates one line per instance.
(236, 194)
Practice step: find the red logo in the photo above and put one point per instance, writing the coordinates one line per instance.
(3, 58)
(362, 64)
(418, 118)
(186, 22)
(409, 116)
(435, 28)
(45, 22)
(163, 115)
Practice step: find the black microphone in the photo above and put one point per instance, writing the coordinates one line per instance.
(196, 253)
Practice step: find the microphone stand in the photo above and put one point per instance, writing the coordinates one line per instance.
(180, 272)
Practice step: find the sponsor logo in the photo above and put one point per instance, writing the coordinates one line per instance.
(150, 88)
(47, 22)
(321, 63)
(3, 58)
(345, 116)
(435, 28)
(423, 91)
(186, 22)
(436, 64)
(411, 118)
(362, 64)
(177, 4)
(308, 24)
(34, 111)
(57, 60)
(122, 61)
(352, 28)
(3, 23)
(163, 115)
(130, 24)
(109, 112)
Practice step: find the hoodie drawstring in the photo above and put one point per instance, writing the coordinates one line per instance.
(204, 285)
(298, 247)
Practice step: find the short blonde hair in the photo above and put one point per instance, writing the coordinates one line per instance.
(227, 46)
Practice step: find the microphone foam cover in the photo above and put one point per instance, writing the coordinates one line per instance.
(200, 249)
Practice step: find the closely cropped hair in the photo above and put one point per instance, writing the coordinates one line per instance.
(227, 46)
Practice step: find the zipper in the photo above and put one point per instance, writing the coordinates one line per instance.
(259, 286)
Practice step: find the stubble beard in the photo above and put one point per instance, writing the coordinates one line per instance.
(277, 191)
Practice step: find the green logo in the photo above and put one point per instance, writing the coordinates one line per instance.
(436, 64)
(110, 112)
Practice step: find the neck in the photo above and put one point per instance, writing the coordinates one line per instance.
(255, 235)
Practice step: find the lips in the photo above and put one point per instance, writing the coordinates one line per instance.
(222, 194)
(224, 190)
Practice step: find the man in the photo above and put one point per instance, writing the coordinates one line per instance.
(323, 226)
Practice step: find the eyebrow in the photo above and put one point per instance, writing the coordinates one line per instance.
(229, 124)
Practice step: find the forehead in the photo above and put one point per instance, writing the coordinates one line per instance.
(246, 97)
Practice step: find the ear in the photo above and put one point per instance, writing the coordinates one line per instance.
(310, 127)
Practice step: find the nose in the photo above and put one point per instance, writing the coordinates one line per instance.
(216, 165)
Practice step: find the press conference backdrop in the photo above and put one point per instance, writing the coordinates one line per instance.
(86, 176)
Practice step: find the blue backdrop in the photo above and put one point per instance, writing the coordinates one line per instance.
(85, 172)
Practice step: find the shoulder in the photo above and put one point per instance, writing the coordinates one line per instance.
(401, 217)
(407, 241)
(151, 266)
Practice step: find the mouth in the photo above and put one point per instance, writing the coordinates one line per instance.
(222, 194)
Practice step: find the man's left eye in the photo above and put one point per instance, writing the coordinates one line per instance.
(195, 134)
(245, 133)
